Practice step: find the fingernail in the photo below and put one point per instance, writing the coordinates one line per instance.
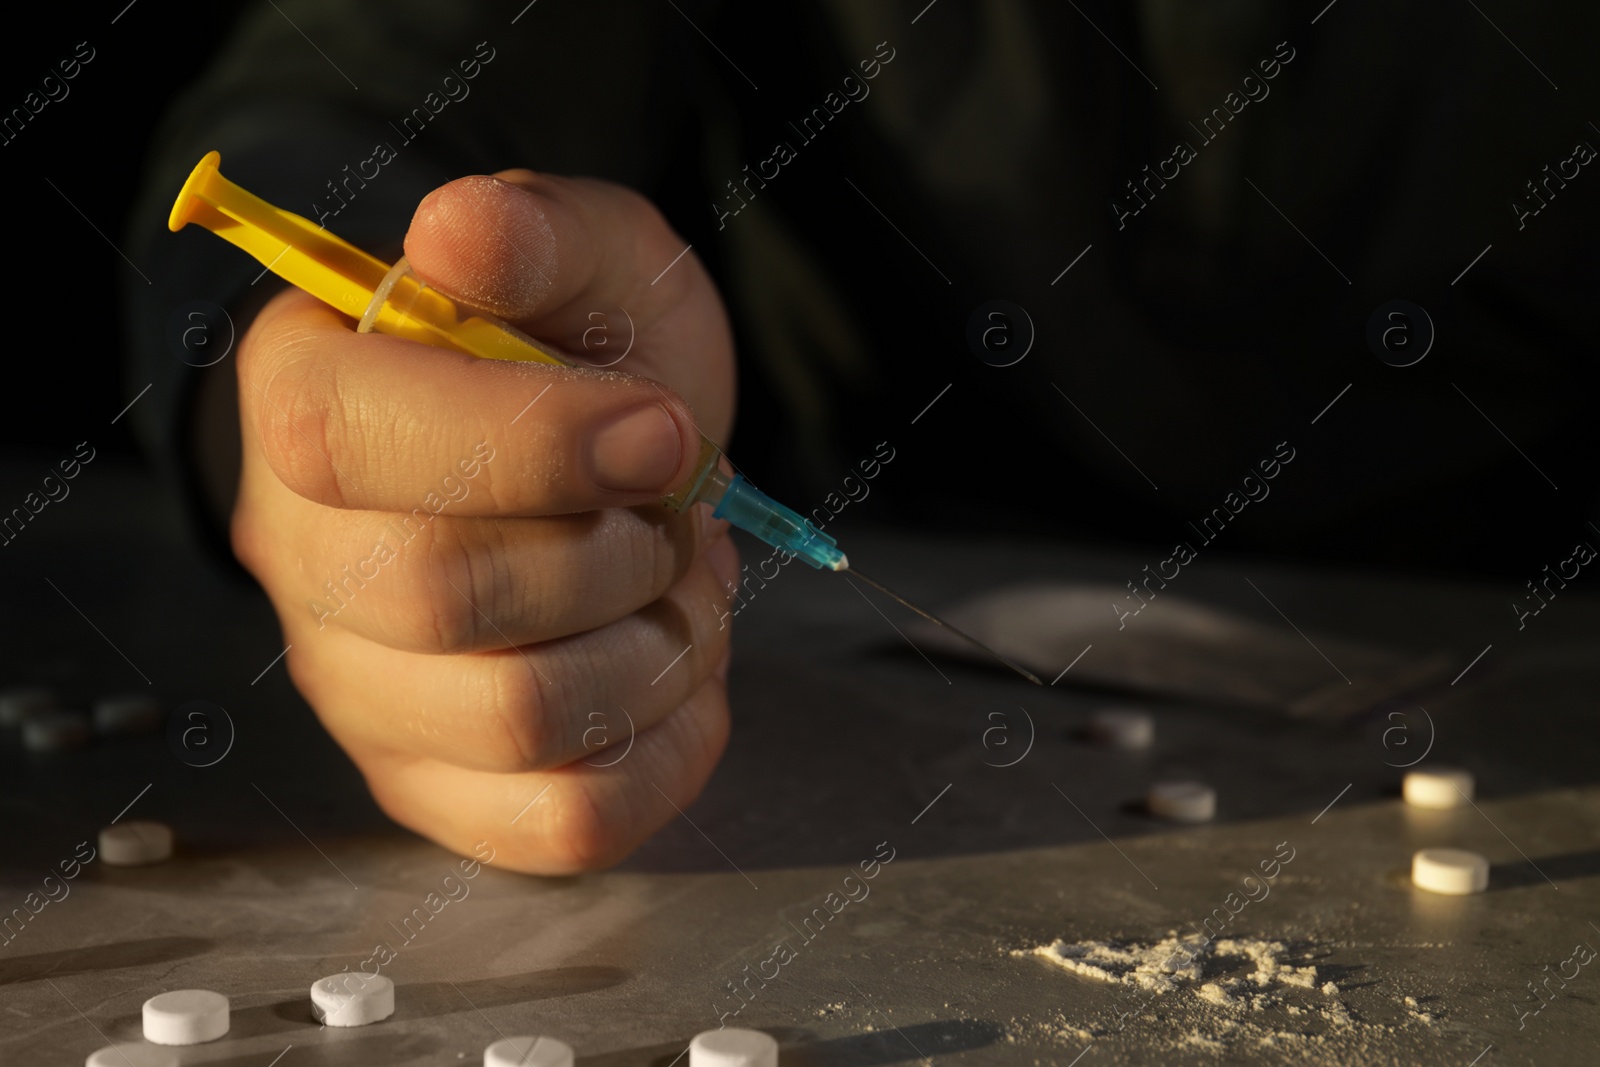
(724, 560)
(637, 451)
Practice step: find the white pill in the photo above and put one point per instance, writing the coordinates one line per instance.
(1123, 727)
(1182, 801)
(131, 1056)
(733, 1048)
(135, 843)
(352, 999)
(1438, 787)
(55, 731)
(132, 714)
(1449, 870)
(20, 704)
(185, 1017)
(528, 1051)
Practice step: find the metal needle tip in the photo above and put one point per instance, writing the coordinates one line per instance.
(880, 587)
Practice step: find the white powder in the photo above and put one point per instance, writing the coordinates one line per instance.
(1271, 968)
(1178, 962)
(1186, 995)
(1190, 994)
(1160, 966)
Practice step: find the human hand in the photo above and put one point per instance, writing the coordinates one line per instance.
(468, 556)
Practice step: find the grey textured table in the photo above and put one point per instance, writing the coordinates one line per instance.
(843, 739)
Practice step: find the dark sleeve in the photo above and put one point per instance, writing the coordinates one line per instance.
(308, 95)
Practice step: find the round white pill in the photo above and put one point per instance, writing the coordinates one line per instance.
(733, 1048)
(135, 843)
(528, 1051)
(352, 999)
(22, 703)
(1122, 727)
(1438, 787)
(1449, 870)
(55, 731)
(1182, 801)
(132, 714)
(185, 1017)
(131, 1056)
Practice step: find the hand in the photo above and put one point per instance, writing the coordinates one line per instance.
(473, 585)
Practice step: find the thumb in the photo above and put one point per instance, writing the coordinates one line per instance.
(548, 254)
(528, 247)
(490, 244)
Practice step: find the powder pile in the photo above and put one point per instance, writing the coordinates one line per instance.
(1181, 962)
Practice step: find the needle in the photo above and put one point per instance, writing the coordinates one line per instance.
(880, 587)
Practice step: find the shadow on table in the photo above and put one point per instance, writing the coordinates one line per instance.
(1558, 869)
(110, 957)
(420, 1000)
(799, 1048)
(338, 1050)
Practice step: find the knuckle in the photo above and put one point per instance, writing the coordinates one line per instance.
(300, 428)
(446, 622)
(530, 724)
(246, 539)
(648, 550)
(447, 585)
(581, 837)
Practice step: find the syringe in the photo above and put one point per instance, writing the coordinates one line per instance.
(394, 301)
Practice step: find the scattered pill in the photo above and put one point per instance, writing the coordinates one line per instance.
(131, 1056)
(55, 731)
(132, 714)
(1182, 801)
(1449, 870)
(135, 843)
(352, 999)
(733, 1048)
(185, 1017)
(1122, 727)
(1438, 787)
(528, 1051)
(20, 704)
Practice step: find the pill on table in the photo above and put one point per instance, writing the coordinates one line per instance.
(1449, 870)
(55, 731)
(528, 1051)
(1122, 727)
(135, 843)
(352, 999)
(1438, 787)
(185, 1017)
(733, 1048)
(131, 714)
(140, 1055)
(1182, 801)
(22, 703)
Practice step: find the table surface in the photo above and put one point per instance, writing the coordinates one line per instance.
(846, 744)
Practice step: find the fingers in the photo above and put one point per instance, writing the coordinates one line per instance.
(527, 708)
(454, 585)
(378, 423)
(577, 818)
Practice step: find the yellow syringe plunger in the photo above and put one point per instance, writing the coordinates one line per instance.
(337, 272)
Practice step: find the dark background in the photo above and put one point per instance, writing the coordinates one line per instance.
(90, 149)
(92, 146)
